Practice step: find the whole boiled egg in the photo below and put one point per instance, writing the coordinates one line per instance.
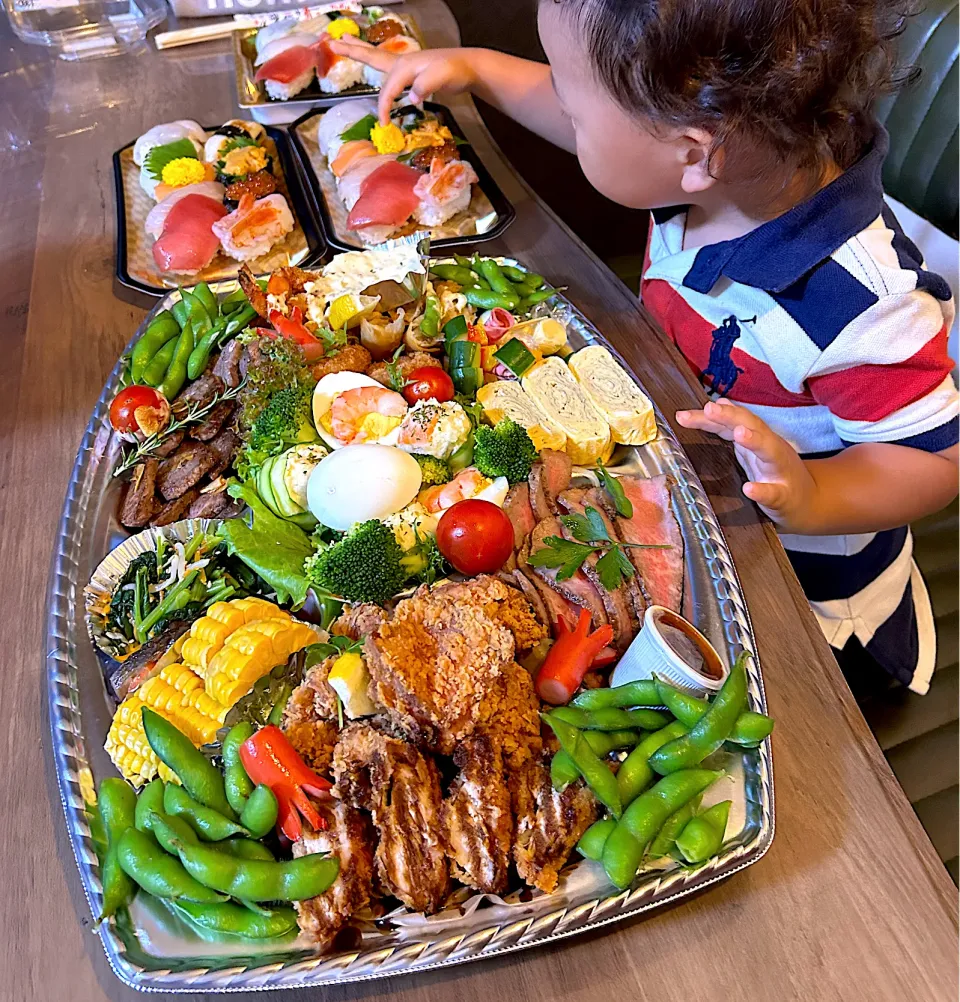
(378, 423)
(360, 482)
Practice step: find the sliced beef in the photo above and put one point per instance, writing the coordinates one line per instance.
(216, 504)
(224, 447)
(213, 422)
(557, 471)
(576, 589)
(635, 594)
(174, 510)
(140, 503)
(517, 579)
(556, 605)
(518, 510)
(227, 366)
(185, 469)
(199, 393)
(653, 521)
(540, 504)
(169, 445)
(617, 603)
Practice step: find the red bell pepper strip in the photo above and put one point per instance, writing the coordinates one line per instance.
(570, 658)
(269, 758)
(292, 328)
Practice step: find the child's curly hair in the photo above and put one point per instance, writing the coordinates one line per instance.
(782, 85)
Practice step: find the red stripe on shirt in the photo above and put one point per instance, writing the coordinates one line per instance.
(755, 383)
(873, 392)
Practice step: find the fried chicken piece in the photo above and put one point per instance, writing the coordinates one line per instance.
(310, 718)
(350, 838)
(510, 716)
(403, 366)
(401, 789)
(548, 824)
(357, 621)
(476, 817)
(503, 603)
(352, 357)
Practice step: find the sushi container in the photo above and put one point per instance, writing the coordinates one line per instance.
(136, 268)
(651, 655)
(252, 95)
(487, 216)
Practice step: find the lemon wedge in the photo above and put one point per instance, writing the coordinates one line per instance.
(349, 680)
(343, 26)
(350, 309)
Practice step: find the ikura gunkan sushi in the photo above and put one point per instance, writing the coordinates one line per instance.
(214, 192)
(292, 52)
(407, 173)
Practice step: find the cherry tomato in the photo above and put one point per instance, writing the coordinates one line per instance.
(475, 536)
(123, 410)
(429, 382)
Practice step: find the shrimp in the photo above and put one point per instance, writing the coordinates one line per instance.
(466, 484)
(366, 414)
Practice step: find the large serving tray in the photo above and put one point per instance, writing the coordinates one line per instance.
(80, 716)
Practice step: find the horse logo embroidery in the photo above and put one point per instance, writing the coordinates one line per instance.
(720, 373)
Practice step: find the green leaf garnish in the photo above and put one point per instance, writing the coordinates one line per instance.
(614, 489)
(563, 554)
(359, 130)
(588, 528)
(160, 156)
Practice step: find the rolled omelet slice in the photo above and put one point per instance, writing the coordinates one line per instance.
(505, 399)
(554, 390)
(613, 392)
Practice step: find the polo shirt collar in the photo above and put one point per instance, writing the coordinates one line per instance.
(780, 252)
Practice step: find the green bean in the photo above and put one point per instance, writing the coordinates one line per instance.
(179, 312)
(230, 920)
(703, 835)
(643, 692)
(176, 374)
(666, 838)
(208, 823)
(604, 742)
(635, 774)
(490, 270)
(487, 299)
(150, 799)
(593, 839)
(260, 814)
(293, 880)
(611, 718)
(116, 804)
(594, 770)
(200, 778)
(750, 728)
(156, 872)
(711, 730)
(453, 273)
(157, 367)
(641, 821)
(237, 784)
(204, 293)
(162, 328)
(563, 771)
(200, 355)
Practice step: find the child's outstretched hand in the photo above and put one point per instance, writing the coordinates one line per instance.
(425, 73)
(779, 481)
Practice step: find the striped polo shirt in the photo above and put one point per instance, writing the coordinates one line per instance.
(825, 323)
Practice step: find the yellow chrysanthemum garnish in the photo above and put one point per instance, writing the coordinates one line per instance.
(183, 171)
(387, 138)
(343, 26)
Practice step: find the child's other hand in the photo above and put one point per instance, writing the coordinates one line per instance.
(779, 481)
(425, 73)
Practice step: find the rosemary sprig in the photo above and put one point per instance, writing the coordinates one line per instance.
(151, 443)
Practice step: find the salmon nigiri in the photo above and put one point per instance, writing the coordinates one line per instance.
(349, 153)
(386, 197)
(188, 243)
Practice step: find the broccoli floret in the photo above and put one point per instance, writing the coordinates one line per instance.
(503, 451)
(284, 421)
(424, 562)
(365, 566)
(435, 471)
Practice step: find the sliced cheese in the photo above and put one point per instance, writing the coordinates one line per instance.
(505, 399)
(613, 392)
(554, 390)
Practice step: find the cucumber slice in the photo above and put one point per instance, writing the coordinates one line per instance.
(305, 521)
(285, 504)
(265, 488)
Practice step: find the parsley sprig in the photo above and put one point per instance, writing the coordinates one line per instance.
(614, 489)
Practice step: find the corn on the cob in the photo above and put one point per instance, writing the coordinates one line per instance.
(207, 635)
(249, 653)
(177, 694)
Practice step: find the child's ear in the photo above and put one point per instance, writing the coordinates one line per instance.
(694, 152)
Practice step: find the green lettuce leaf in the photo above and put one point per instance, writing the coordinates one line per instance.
(271, 546)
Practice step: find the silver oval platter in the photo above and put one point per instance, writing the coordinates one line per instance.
(149, 953)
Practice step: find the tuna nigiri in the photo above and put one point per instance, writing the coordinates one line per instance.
(350, 185)
(444, 191)
(337, 120)
(157, 216)
(287, 65)
(254, 226)
(335, 73)
(188, 243)
(386, 197)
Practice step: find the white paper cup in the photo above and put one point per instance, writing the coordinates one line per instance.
(650, 655)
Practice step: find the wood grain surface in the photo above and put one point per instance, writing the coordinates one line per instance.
(851, 903)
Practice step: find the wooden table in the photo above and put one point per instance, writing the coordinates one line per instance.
(850, 903)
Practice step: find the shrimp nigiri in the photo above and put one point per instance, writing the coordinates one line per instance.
(444, 191)
(254, 226)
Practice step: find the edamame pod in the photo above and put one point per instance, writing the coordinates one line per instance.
(157, 367)
(749, 729)
(454, 273)
(666, 838)
(162, 328)
(490, 270)
(116, 804)
(703, 835)
(642, 692)
(604, 742)
(176, 374)
(635, 773)
(595, 837)
(204, 293)
(149, 801)
(234, 920)
(621, 856)
(237, 784)
(563, 771)
(158, 873)
(260, 814)
(487, 299)
(594, 770)
(612, 718)
(209, 824)
(179, 311)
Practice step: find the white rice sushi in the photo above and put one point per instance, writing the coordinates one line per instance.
(254, 226)
(287, 65)
(344, 73)
(349, 185)
(444, 192)
(168, 132)
(398, 45)
(290, 40)
(157, 216)
(338, 119)
(271, 32)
